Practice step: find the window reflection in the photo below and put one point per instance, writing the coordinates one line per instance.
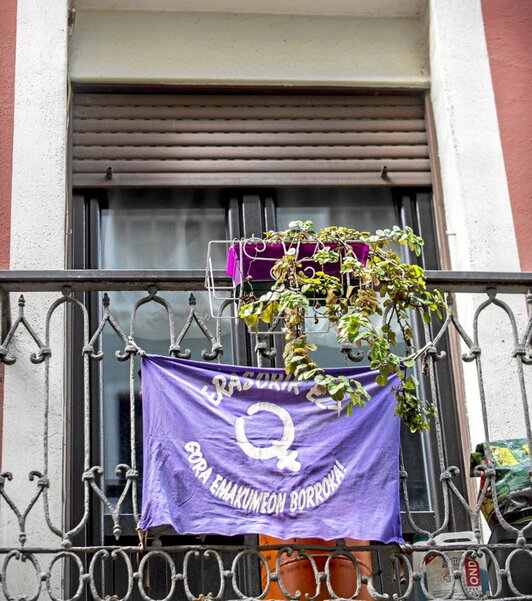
(364, 209)
(160, 229)
(152, 229)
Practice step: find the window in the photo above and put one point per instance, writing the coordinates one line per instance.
(137, 206)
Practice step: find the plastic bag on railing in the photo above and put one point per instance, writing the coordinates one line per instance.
(512, 477)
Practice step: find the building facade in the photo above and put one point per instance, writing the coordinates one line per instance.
(134, 132)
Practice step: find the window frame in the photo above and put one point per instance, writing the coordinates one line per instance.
(249, 216)
(245, 217)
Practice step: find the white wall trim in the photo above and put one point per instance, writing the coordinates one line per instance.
(37, 242)
(358, 8)
(479, 220)
(248, 49)
(476, 193)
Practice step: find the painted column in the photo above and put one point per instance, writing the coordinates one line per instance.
(37, 224)
(478, 211)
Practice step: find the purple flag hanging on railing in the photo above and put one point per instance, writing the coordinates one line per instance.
(236, 450)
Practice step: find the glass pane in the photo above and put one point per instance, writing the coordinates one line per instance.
(152, 334)
(152, 229)
(161, 228)
(364, 209)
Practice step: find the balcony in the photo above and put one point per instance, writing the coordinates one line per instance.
(68, 513)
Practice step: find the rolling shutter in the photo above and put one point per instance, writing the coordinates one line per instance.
(249, 140)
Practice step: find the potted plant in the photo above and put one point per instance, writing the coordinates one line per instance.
(356, 282)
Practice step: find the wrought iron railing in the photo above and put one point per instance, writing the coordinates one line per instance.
(50, 347)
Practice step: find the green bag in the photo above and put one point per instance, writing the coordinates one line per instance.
(512, 480)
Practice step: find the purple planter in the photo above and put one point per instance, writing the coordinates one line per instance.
(257, 260)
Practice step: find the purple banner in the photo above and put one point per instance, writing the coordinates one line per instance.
(236, 450)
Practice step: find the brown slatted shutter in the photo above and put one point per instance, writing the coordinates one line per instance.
(249, 140)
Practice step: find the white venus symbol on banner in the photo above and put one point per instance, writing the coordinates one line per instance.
(278, 448)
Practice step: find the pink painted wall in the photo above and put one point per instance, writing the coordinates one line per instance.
(8, 19)
(8, 28)
(508, 27)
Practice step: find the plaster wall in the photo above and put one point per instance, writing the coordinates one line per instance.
(508, 28)
(37, 242)
(223, 48)
(480, 226)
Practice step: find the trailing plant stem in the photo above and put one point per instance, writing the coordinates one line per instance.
(354, 302)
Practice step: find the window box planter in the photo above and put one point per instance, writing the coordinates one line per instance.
(249, 260)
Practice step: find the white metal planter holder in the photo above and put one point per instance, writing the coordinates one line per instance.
(249, 265)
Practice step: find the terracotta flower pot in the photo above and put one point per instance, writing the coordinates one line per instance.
(297, 574)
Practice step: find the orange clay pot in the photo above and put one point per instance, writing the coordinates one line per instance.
(298, 575)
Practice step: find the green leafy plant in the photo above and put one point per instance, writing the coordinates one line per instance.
(370, 304)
